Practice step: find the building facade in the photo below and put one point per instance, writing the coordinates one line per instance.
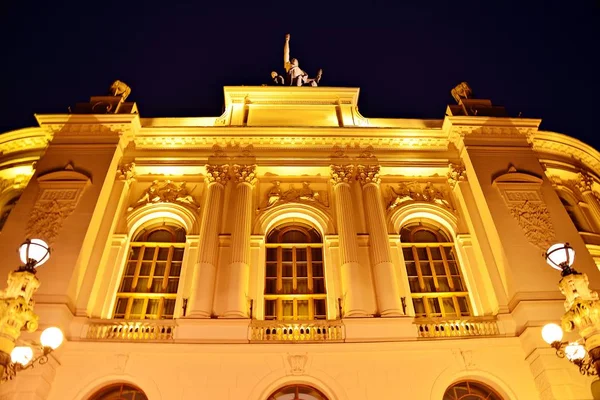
(292, 248)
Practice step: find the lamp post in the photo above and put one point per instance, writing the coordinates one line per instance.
(582, 314)
(16, 314)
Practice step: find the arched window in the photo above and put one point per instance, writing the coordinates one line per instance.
(297, 392)
(470, 390)
(6, 209)
(295, 276)
(436, 285)
(576, 213)
(149, 286)
(119, 391)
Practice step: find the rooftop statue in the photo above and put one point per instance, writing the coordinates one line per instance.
(295, 75)
(119, 88)
(461, 91)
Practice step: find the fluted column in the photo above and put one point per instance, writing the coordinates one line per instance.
(203, 284)
(352, 296)
(384, 273)
(238, 273)
(585, 185)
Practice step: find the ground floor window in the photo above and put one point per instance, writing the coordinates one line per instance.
(297, 392)
(470, 390)
(120, 391)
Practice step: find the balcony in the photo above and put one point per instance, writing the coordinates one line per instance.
(456, 328)
(297, 331)
(134, 331)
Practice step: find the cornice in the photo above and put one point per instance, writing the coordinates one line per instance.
(89, 124)
(490, 128)
(562, 146)
(25, 139)
(290, 95)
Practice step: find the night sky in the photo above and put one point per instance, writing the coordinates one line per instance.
(537, 58)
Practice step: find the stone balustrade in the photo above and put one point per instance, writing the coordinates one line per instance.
(110, 329)
(297, 331)
(451, 328)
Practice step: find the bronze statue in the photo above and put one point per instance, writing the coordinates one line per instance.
(119, 88)
(295, 75)
(276, 79)
(461, 91)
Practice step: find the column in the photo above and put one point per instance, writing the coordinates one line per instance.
(352, 298)
(238, 271)
(205, 271)
(384, 273)
(585, 184)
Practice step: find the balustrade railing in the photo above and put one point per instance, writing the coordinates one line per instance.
(131, 330)
(448, 328)
(297, 331)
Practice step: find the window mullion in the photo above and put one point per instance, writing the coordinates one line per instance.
(447, 268)
(138, 266)
(279, 270)
(152, 267)
(294, 272)
(128, 308)
(418, 268)
(309, 271)
(165, 282)
(432, 267)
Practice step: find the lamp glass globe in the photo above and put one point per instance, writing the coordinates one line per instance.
(34, 249)
(52, 337)
(552, 333)
(21, 355)
(558, 254)
(574, 351)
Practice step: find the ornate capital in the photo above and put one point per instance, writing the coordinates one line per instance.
(342, 173)
(368, 174)
(245, 173)
(584, 182)
(217, 173)
(456, 173)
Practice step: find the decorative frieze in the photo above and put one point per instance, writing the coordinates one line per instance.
(342, 173)
(407, 192)
(584, 182)
(126, 172)
(166, 192)
(456, 173)
(304, 194)
(368, 174)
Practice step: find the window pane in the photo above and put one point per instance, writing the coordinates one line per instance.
(449, 309)
(436, 254)
(424, 236)
(134, 253)
(439, 268)
(419, 307)
(301, 270)
(156, 285)
(270, 309)
(152, 308)
(271, 270)
(288, 270)
(121, 308)
(142, 285)
(169, 309)
(414, 285)
(287, 285)
(175, 269)
(303, 309)
(319, 285)
(452, 267)
(458, 284)
(408, 253)
(429, 285)
(463, 305)
(300, 254)
(434, 306)
(425, 268)
(137, 307)
(271, 254)
(320, 309)
(317, 254)
(294, 236)
(163, 253)
(271, 286)
(172, 284)
(178, 254)
(149, 253)
(145, 268)
(422, 253)
(317, 270)
(443, 284)
(130, 268)
(159, 269)
(160, 235)
(286, 254)
(302, 285)
(411, 269)
(287, 307)
(126, 285)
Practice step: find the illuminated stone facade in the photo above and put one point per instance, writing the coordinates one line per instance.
(292, 241)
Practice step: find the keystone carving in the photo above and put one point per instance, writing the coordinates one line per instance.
(297, 363)
(368, 174)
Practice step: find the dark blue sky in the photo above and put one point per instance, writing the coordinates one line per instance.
(538, 58)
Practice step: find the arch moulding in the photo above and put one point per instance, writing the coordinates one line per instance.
(162, 212)
(147, 385)
(294, 212)
(277, 380)
(423, 211)
(453, 375)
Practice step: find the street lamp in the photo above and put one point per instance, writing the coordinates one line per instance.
(16, 314)
(582, 314)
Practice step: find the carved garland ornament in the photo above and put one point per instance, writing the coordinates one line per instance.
(60, 193)
(523, 197)
(305, 194)
(416, 191)
(167, 192)
(457, 173)
(584, 182)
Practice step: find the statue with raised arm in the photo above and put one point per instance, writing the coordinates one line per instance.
(295, 75)
(119, 88)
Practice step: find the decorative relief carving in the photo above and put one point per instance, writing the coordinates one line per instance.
(126, 172)
(457, 173)
(368, 174)
(305, 194)
(60, 192)
(167, 192)
(465, 130)
(584, 182)
(18, 182)
(297, 363)
(523, 197)
(418, 191)
(342, 173)
(217, 173)
(245, 173)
